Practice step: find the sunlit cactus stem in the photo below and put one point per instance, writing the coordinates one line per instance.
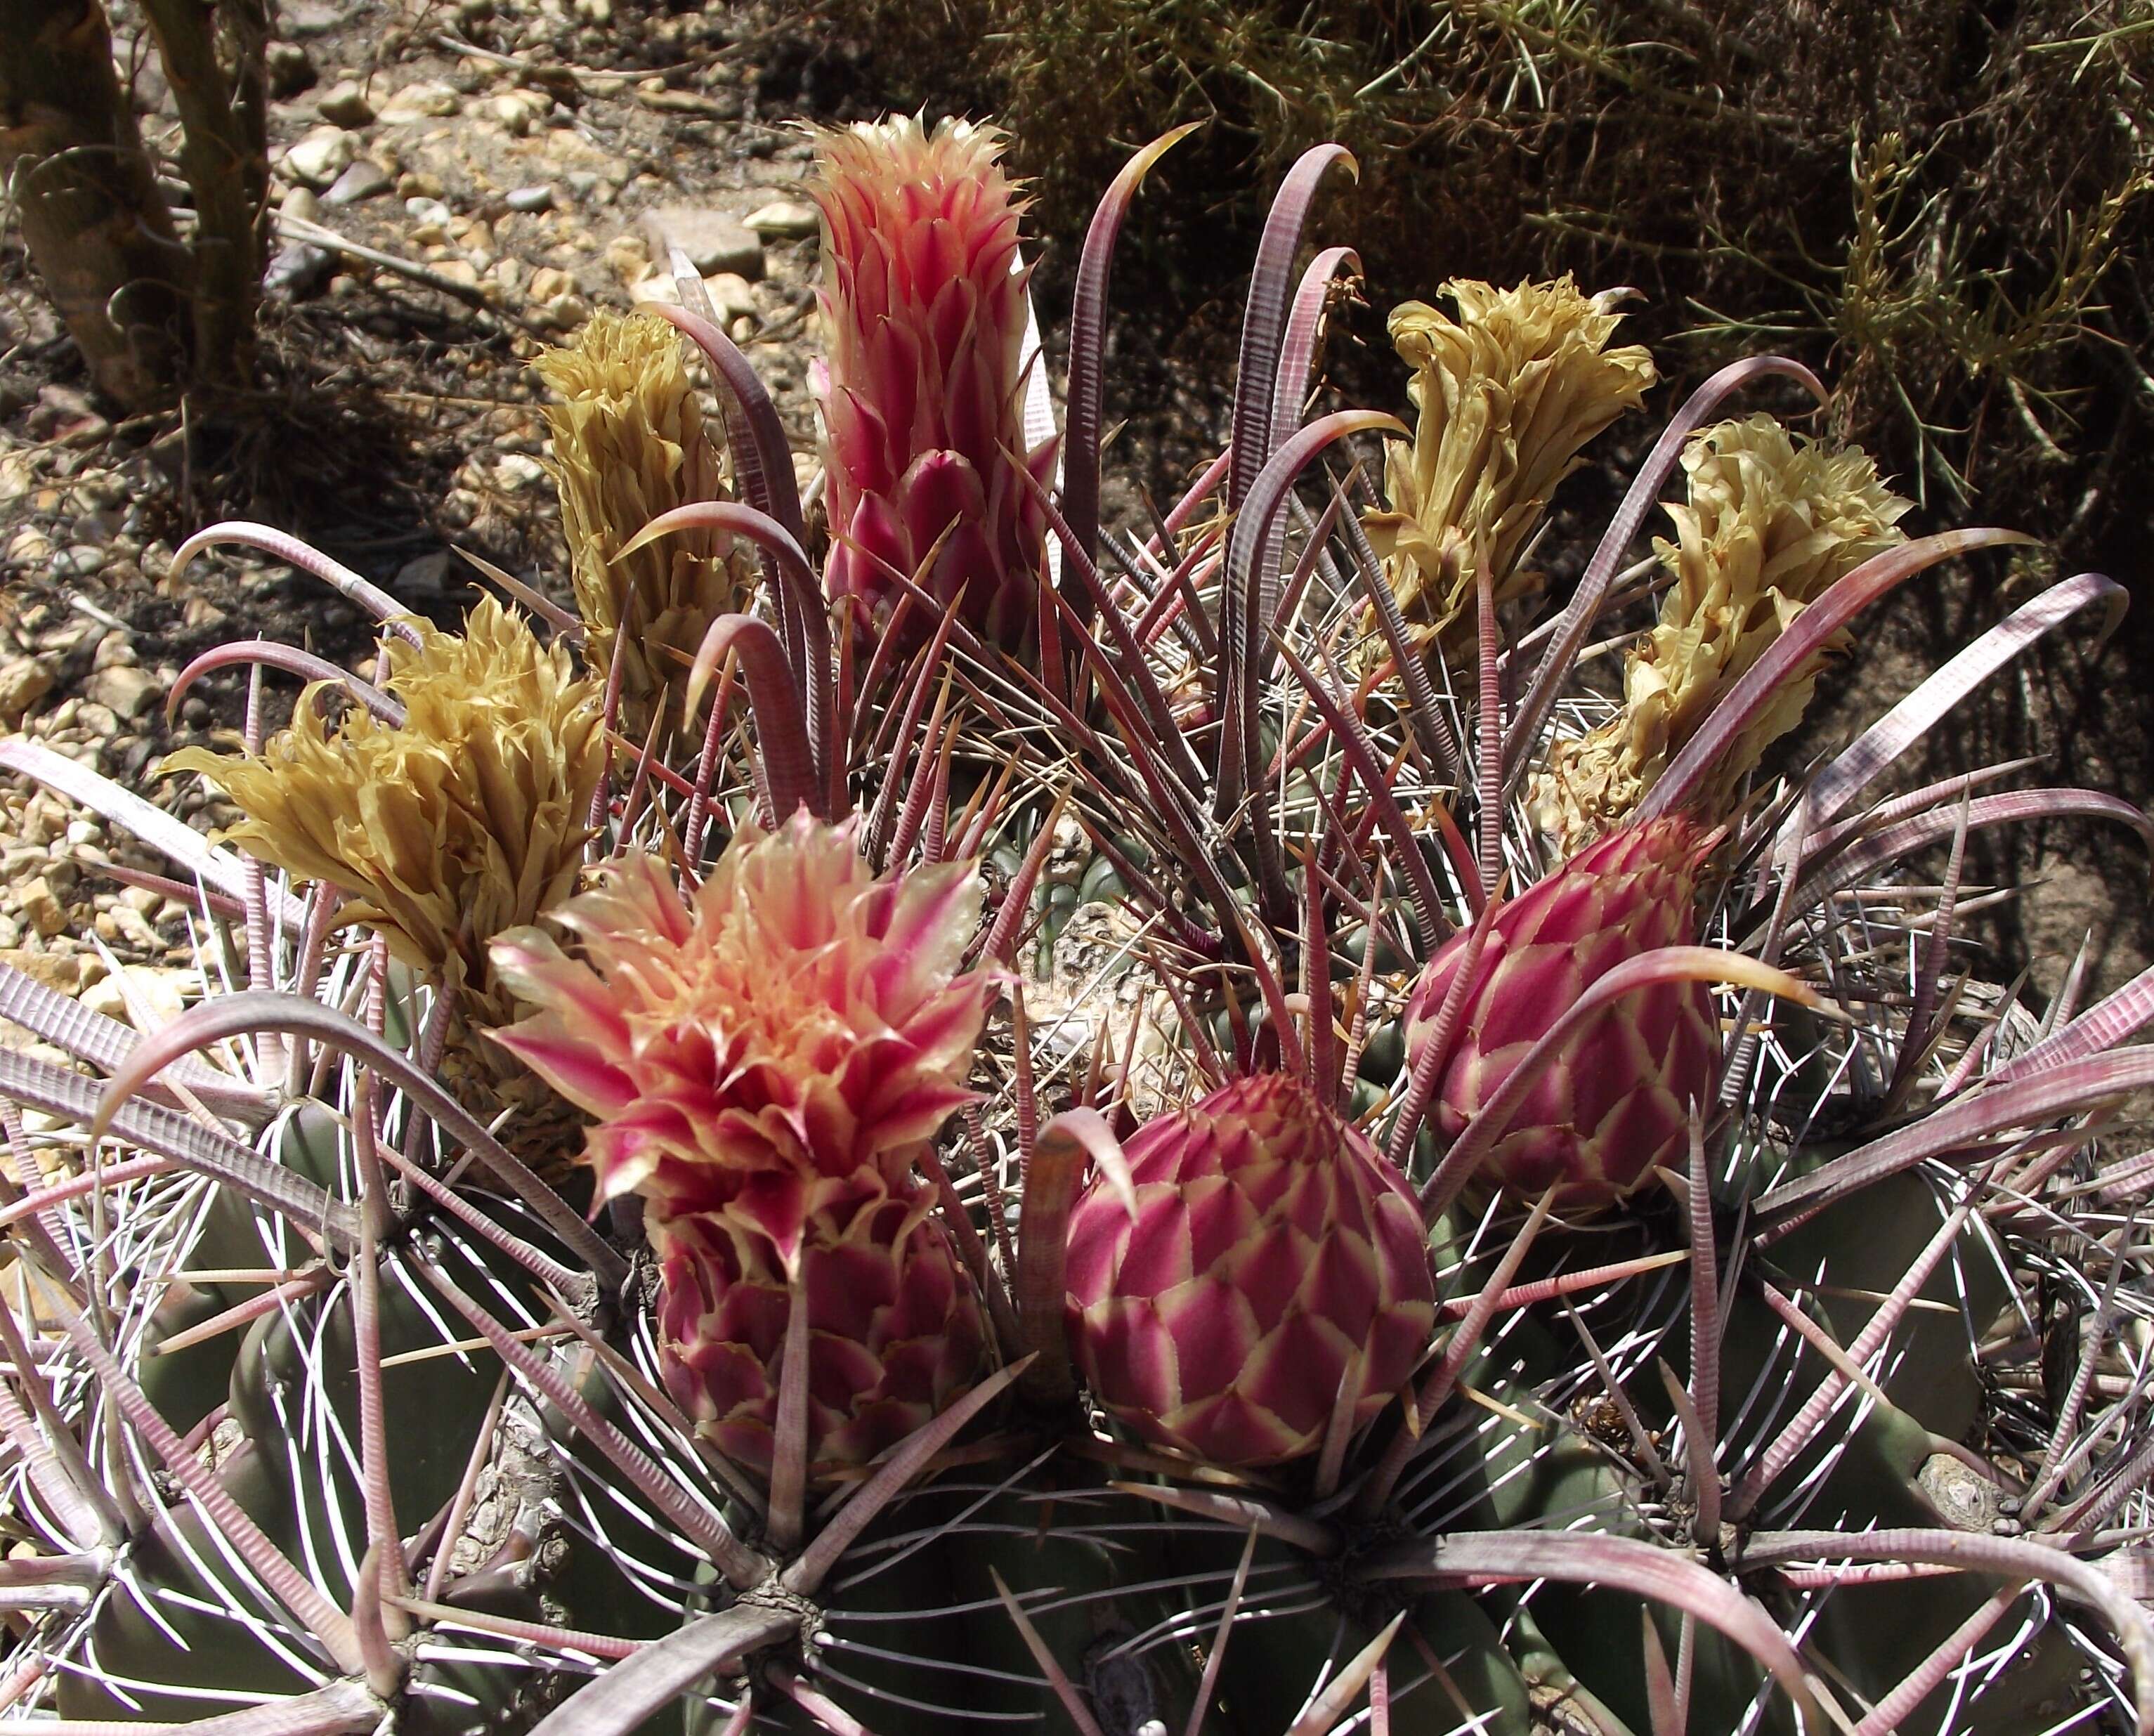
(923, 303)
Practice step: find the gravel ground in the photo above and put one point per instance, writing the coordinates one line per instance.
(532, 157)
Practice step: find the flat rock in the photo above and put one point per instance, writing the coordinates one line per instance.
(40, 906)
(539, 197)
(161, 992)
(318, 158)
(515, 471)
(563, 313)
(729, 293)
(426, 575)
(309, 18)
(291, 70)
(424, 101)
(365, 179)
(713, 241)
(23, 681)
(298, 266)
(732, 295)
(786, 220)
(128, 691)
(519, 110)
(57, 970)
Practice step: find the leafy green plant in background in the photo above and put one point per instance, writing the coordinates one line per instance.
(1934, 198)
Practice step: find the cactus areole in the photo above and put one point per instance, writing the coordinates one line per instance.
(1616, 1099)
(1275, 1274)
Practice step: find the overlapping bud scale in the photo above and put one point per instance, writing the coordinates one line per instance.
(1276, 1261)
(1618, 1097)
(923, 303)
(765, 1062)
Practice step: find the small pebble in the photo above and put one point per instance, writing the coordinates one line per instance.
(345, 105)
(365, 179)
(529, 198)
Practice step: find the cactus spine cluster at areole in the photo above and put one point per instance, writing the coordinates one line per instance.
(934, 1113)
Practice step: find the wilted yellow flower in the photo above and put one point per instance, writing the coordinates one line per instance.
(1772, 521)
(1505, 396)
(629, 443)
(468, 820)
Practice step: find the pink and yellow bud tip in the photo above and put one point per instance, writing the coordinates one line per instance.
(765, 1059)
(925, 315)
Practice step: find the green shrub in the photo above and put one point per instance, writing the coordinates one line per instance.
(1932, 199)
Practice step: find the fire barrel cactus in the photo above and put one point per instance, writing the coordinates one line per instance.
(1120, 1128)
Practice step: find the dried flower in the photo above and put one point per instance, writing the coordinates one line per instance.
(1506, 396)
(629, 443)
(468, 820)
(924, 311)
(1771, 522)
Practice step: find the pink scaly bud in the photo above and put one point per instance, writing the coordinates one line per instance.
(1276, 1262)
(924, 314)
(1617, 1099)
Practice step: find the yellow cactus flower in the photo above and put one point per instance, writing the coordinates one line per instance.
(629, 443)
(1772, 521)
(1506, 396)
(466, 820)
